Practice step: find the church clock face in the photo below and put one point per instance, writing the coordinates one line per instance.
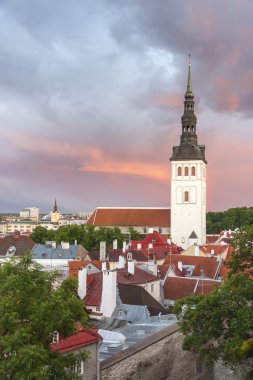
(188, 180)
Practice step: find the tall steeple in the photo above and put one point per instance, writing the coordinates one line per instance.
(55, 206)
(189, 148)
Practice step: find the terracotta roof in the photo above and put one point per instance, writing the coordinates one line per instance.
(22, 244)
(75, 265)
(155, 238)
(217, 248)
(179, 287)
(212, 238)
(136, 217)
(137, 295)
(209, 265)
(94, 289)
(76, 341)
(139, 277)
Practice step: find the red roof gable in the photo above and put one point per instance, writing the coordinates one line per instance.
(76, 341)
(136, 217)
(75, 265)
(179, 287)
(139, 277)
(94, 289)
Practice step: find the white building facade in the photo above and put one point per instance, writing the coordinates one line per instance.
(188, 180)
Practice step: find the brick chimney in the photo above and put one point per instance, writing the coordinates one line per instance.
(131, 266)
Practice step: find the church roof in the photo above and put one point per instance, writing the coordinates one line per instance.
(188, 151)
(136, 217)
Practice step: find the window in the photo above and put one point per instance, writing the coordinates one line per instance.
(186, 196)
(145, 230)
(160, 230)
(179, 171)
(193, 171)
(79, 367)
(186, 171)
(98, 308)
(55, 337)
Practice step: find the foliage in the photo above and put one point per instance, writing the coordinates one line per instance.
(220, 325)
(231, 219)
(87, 235)
(31, 310)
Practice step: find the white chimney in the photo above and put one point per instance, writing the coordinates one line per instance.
(115, 244)
(152, 266)
(75, 242)
(150, 245)
(122, 262)
(180, 266)
(103, 265)
(131, 266)
(138, 246)
(124, 246)
(169, 241)
(64, 245)
(102, 251)
(108, 301)
(196, 250)
(53, 245)
(212, 251)
(82, 282)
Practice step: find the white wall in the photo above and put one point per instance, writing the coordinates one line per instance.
(188, 216)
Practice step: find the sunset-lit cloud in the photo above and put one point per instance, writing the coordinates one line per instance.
(91, 99)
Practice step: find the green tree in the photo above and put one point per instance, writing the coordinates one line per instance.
(220, 325)
(40, 235)
(31, 310)
(133, 234)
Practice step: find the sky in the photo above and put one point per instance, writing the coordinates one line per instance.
(91, 99)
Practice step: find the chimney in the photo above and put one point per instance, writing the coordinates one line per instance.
(196, 250)
(122, 262)
(138, 246)
(169, 241)
(102, 251)
(103, 266)
(124, 246)
(131, 266)
(180, 266)
(75, 242)
(82, 282)
(152, 266)
(115, 244)
(150, 245)
(212, 251)
(108, 300)
(53, 245)
(64, 245)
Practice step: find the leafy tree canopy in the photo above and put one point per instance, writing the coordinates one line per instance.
(220, 325)
(231, 219)
(31, 310)
(87, 235)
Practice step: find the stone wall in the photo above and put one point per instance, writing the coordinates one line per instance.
(159, 356)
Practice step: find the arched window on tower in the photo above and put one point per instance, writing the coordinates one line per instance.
(188, 128)
(179, 171)
(192, 128)
(186, 171)
(193, 171)
(186, 196)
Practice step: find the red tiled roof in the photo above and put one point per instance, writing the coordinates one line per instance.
(146, 217)
(155, 238)
(209, 265)
(179, 287)
(75, 265)
(217, 248)
(76, 341)
(139, 277)
(212, 238)
(94, 289)
(22, 244)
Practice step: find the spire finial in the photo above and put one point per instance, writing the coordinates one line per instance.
(189, 82)
(55, 206)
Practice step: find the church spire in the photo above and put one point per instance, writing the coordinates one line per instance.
(189, 80)
(55, 206)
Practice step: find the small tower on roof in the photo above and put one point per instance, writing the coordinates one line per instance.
(188, 178)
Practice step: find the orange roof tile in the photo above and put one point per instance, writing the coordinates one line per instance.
(146, 217)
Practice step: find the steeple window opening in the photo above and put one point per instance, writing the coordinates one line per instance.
(193, 171)
(188, 128)
(186, 196)
(192, 128)
(179, 171)
(186, 171)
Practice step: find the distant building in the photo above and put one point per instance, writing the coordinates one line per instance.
(55, 214)
(30, 213)
(143, 219)
(17, 226)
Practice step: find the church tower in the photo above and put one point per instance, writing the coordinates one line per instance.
(188, 180)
